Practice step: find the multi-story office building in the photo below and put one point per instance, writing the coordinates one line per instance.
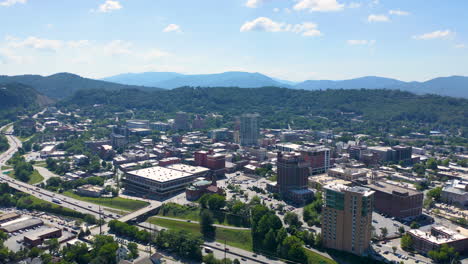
(347, 218)
(397, 201)
(455, 192)
(212, 161)
(392, 154)
(181, 121)
(161, 181)
(136, 123)
(293, 172)
(249, 130)
(318, 157)
(439, 235)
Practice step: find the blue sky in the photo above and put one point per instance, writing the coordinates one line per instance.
(288, 39)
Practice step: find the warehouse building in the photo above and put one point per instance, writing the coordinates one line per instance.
(38, 238)
(8, 217)
(15, 226)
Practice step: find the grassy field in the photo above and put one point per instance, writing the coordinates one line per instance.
(6, 167)
(24, 139)
(314, 258)
(116, 202)
(236, 238)
(6, 128)
(35, 177)
(191, 213)
(41, 164)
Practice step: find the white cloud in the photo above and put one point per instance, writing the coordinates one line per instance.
(361, 42)
(460, 46)
(118, 47)
(262, 24)
(319, 5)
(306, 29)
(7, 56)
(378, 18)
(172, 28)
(276, 10)
(155, 54)
(434, 35)
(35, 43)
(109, 6)
(398, 12)
(354, 5)
(78, 43)
(12, 2)
(254, 3)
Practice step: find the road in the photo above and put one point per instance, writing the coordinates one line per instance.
(89, 208)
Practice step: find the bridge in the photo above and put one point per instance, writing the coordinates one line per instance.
(154, 205)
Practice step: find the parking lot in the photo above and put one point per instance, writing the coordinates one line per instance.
(15, 240)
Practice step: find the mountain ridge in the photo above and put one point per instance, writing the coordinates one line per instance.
(61, 85)
(455, 86)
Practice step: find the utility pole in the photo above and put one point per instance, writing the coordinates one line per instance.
(225, 251)
(100, 220)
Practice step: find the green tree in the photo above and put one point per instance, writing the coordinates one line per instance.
(216, 202)
(445, 254)
(401, 229)
(406, 242)
(383, 232)
(53, 245)
(292, 219)
(133, 248)
(435, 193)
(206, 224)
(431, 164)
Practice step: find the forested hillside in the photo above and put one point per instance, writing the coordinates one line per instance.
(301, 109)
(17, 99)
(61, 85)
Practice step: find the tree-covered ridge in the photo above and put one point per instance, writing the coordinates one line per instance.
(304, 109)
(18, 99)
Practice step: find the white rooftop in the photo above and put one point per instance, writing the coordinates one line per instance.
(160, 174)
(187, 168)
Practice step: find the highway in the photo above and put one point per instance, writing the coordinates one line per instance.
(73, 204)
(93, 209)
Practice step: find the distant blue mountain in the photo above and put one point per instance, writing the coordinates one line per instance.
(150, 79)
(455, 86)
(170, 80)
(369, 82)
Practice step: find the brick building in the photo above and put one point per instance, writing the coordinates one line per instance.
(397, 201)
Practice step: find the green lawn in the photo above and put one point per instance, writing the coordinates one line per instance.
(6, 128)
(191, 213)
(24, 139)
(116, 202)
(41, 164)
(236, 238)
(6, 167)
(35, 177)
(315, 258)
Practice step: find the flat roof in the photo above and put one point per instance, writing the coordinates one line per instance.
(22, 225)
(8, 216)
(187, 168)
(39, 234)
(389, 188)
(356, 189)
(160, 174)
(452, 235)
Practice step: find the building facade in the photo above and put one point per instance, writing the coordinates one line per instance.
(347, 218)
(397, 201)
(249, 130)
